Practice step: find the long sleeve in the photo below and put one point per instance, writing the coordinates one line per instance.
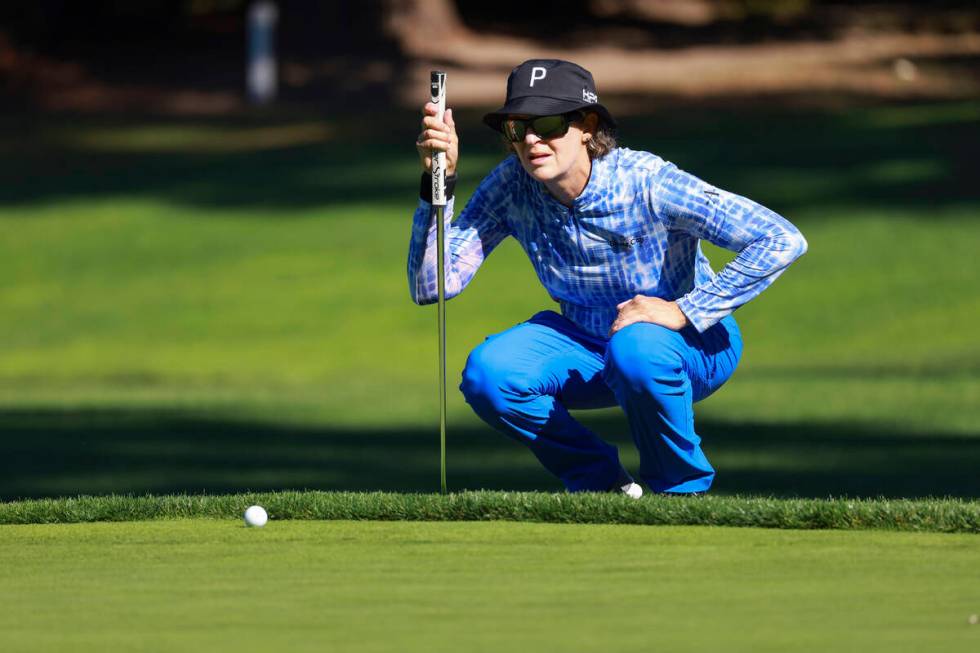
(469, 240)
(766, 242)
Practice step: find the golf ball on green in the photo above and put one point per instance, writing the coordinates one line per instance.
(256, 516)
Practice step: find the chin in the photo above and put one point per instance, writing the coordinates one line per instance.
(541, 173)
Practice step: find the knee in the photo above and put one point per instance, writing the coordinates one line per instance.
(490, 381)
(641, 354)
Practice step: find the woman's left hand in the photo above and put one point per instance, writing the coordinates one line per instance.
(649, 309)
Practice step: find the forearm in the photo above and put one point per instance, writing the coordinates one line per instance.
(755, 268)
(766, 242)
(469, 240)
(423, 256)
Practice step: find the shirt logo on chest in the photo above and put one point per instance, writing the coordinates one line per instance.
(618, 242)
(627, 242)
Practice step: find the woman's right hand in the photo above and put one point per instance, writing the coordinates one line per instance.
(439, 135)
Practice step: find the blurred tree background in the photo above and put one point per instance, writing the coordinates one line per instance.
(199, 293)
(60, 54)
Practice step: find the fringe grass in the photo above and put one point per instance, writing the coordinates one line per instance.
(934, 515)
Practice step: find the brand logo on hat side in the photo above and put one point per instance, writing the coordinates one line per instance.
(535, 76)
(589, 96)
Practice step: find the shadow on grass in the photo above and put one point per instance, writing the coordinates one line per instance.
(788, 158)
(65, 452)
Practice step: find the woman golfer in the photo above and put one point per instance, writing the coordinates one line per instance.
(613, 234)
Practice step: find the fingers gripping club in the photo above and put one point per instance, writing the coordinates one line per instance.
(438, 87)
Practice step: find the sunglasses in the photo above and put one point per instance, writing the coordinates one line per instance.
(515, 129)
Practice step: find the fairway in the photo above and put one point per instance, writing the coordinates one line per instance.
(181, 315)
(210, 585)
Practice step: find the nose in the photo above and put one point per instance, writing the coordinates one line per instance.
(530, 138)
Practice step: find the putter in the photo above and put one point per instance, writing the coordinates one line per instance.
(438, 85)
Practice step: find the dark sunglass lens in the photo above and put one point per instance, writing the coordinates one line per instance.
(514, 130)
(548, 126)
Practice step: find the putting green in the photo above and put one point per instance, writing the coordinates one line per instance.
(211, 585)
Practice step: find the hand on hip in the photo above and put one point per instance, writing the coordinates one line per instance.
(649, 309)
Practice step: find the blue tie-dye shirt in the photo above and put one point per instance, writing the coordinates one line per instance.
(634, 230)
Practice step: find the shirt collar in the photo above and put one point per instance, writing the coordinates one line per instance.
(597, 185)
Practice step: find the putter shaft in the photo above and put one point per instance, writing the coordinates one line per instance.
(438, 94)
(440, 262)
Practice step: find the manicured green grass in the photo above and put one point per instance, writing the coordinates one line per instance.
(942, 515)
(209, 585)
(222, 306)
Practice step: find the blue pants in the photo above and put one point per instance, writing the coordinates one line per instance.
(523, 382)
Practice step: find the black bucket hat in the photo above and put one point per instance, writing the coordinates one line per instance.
(546, 87)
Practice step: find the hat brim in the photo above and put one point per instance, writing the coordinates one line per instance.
(544, 106)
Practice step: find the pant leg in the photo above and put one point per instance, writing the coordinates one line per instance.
(656, 375)
(519, 382)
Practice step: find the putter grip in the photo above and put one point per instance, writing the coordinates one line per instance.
(438, 84)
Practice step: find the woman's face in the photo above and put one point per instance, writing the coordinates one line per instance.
(554, 159)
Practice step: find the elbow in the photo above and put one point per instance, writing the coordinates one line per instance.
(798, 245)
(419, 296)
(423, 296)
(421, 288)
(793, 244)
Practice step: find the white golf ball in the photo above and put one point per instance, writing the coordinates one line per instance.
(256, 516)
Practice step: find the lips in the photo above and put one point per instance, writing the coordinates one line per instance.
(538, 157)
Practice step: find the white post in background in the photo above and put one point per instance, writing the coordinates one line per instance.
(261, 66)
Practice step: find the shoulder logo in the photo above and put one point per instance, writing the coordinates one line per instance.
(535, 76)
(589, 96)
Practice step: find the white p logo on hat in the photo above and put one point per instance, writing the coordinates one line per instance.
(534, 74)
